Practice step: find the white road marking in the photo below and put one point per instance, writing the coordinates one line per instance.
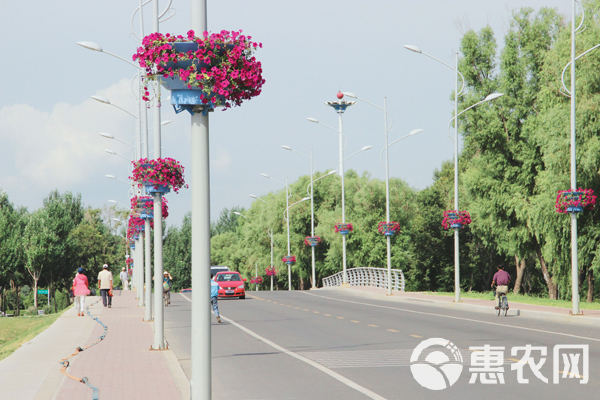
(453, 317)
(312, 363)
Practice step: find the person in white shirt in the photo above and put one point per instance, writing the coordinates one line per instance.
(124, 279)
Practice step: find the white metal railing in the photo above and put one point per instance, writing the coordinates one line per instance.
(367, 276)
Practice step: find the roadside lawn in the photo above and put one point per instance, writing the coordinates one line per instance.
(15, 331)
(520, 298)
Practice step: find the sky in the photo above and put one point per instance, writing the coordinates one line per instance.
(49, 125)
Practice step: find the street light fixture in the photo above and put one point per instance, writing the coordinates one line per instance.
(387, 176)
(114, 153)
(571, 93)
(312, 207)
(288, 194)
(457, 93)
(340, 107)
(117, 203)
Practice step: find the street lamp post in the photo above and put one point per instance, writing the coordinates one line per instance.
(340, 107)
(288, 194)
(312, 206)
(270, 233)
(456, 115)
(572, 93)
(387, 177)
(286, 216)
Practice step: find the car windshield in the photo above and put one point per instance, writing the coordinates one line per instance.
(228, 277)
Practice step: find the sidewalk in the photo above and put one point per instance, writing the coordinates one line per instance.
(121, 366)
(589, 317)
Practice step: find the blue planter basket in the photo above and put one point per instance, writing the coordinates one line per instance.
(182, 97)
(151, 188)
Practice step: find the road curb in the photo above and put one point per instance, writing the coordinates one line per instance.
(531, 314)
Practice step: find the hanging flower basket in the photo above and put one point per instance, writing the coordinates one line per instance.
(575, 201)
(217, 69)
(256, 280)
(159, 175)
(130, 271)
(129, 261)
(270, 271)
(343, 229)
(312, 241)
(455, 219)
(388, 228)
(144, 206)
(289, 260)
(134, 226)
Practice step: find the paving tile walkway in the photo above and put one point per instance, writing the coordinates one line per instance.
(122, 366)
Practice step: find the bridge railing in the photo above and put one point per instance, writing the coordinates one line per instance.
(367, 276)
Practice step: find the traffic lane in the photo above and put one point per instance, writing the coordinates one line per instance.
(178, 329)
(245, 367)
(449, 311)
(289, 308)
(463, 333)
(407, 322)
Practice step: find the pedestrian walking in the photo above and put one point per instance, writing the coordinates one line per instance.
(124, 279)
(214, 294)
(105, 284)
(80, 290)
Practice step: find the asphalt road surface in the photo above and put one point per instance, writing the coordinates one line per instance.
(336, 344)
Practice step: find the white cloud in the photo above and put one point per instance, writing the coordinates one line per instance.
(61, 149)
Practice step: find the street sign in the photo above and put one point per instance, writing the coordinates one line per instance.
(42, 291)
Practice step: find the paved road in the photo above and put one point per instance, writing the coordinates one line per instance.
(333, 344)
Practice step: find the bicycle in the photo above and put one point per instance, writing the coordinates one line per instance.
(503, 304)
(167, 297)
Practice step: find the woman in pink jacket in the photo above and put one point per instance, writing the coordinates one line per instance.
(80, 290)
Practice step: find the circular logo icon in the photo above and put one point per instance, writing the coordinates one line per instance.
(436, 363)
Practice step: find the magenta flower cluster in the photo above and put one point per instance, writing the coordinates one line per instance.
(270, 271)
(392, 226)
(287, 259)
(134, 226)
(343, 227)
(452, 217)
(256, 279)
(312, 239)
(224, 64)
(139, 203)
(161, 171)
(581, 198)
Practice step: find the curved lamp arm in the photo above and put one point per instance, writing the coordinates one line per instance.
(418, 50)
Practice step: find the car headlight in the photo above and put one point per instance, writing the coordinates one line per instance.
(241, 287)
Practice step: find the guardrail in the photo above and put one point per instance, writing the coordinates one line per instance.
(367, 276)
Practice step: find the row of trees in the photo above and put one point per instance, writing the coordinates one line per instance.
(514, 160)
(46, 246)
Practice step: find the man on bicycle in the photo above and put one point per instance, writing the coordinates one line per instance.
(167, 281)
(501, 280)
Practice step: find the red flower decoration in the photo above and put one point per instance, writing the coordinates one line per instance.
(455, 219)
(223, 64)
(343, 227)
(289, 259)
(147, 202)
(161, 171)
(270, 271)
(389, 228)
(575, 200)
(312, 240)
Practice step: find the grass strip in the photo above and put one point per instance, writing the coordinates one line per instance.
(15, 331)
(525, 299)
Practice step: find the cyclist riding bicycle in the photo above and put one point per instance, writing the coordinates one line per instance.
(167, 281)
(501, 279)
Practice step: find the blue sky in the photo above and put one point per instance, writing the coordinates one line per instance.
(311, 49)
